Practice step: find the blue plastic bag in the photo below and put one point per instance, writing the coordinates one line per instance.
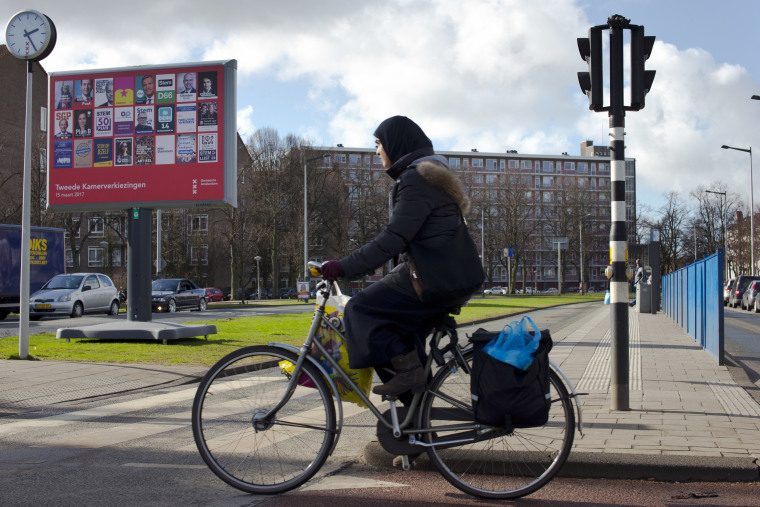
(516, 343)
(607, 298)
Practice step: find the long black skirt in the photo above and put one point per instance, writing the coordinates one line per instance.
(382, 322)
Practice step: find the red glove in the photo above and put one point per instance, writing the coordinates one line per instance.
(332, 270)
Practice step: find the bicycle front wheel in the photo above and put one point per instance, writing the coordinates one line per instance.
(248, 452)
(496, 464)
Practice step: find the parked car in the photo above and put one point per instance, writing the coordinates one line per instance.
(749, 298)
(213, 294)
(495, 290)
(742, 282)
(727, 290)
(173, 294)
(288, 293)
(253, 293)
(75, 294)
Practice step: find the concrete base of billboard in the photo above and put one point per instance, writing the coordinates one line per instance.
(135, 330)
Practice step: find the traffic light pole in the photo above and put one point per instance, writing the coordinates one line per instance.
(619, 371)
(591, 83)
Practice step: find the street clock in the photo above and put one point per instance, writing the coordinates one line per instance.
(30, 35)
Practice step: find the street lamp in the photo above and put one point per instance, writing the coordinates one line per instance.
(258, 276)
(306, 217)
(725, 231)
(580, 221)
(751, 204)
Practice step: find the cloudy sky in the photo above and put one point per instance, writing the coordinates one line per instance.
(487, 74)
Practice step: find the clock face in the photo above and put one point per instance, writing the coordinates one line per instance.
(30, 35)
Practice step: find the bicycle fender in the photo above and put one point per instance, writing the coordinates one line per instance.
(573, 394)
(330, 382)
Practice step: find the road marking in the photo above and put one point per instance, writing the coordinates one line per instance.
(95, 413)
(347, 482)
(165, 465)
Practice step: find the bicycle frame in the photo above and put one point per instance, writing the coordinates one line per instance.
(399, 428)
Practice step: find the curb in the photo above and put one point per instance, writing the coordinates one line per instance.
(601, 465)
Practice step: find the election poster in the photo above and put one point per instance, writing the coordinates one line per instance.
(62, 124)
(144, 150)
(103, 153)
(165, 146)
(165, 119)
(104, 122)
(207, 147)
(178, 120)
(186, 153)
(62, 155)
(83, 153)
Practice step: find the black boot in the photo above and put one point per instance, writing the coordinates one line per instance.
(409, 376)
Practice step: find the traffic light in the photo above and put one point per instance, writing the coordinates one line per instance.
(591, 82)
(641, 80)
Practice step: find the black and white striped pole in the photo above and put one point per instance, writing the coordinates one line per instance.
(618, 272)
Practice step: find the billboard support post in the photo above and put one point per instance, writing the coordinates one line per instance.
(139, 305)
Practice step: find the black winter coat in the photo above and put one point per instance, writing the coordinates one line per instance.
(427, 201)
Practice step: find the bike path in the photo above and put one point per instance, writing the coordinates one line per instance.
(688, 418)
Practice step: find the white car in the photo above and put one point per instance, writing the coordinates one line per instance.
(495, 291)
(75, 294)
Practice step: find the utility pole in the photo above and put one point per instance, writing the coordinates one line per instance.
(591, 82)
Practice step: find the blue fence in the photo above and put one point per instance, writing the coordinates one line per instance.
(693, 298)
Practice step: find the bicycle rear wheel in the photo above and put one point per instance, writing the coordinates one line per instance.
(270, 456)
(496, 464)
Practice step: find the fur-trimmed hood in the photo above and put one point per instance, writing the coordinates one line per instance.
(441, 177)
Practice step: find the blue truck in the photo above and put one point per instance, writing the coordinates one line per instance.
(46, 260)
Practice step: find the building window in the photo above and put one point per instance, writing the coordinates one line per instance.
(582, 167)
(490, 179)
(95, 256)
(453, 162)
(477, 178)
(502, 164)
(97, 227)
(547, 166)
(116, 257)
(547, 196)
(513, 164)
(604, 168)
(353, 159)
(477, 162)
(198, 224)
(569, 166)
(376, 160)
(547, 181)
(367, 160)
(199, 254)
(69, 258)
(526, 164)
(491, 164)
(340, 158)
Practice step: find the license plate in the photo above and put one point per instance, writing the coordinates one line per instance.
(42, 306)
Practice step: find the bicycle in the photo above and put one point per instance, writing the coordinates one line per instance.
(264, 430)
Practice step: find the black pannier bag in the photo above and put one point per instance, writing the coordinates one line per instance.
(506, 396)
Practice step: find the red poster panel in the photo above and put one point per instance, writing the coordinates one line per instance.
(153, 137)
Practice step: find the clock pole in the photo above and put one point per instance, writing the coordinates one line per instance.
(23, 326)
(30, 36)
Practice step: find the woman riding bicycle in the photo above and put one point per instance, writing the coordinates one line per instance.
(387, 322)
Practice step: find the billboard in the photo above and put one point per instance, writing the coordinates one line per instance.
(150, 136)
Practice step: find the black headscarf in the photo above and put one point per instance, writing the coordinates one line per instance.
(400, 136)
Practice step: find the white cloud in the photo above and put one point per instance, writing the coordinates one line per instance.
(245, 123)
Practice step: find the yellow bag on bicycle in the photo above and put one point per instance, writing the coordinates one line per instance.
(336, 346)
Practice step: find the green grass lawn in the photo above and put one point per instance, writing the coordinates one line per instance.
(241, 332)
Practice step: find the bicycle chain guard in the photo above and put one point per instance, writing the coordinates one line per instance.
(389, 442)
